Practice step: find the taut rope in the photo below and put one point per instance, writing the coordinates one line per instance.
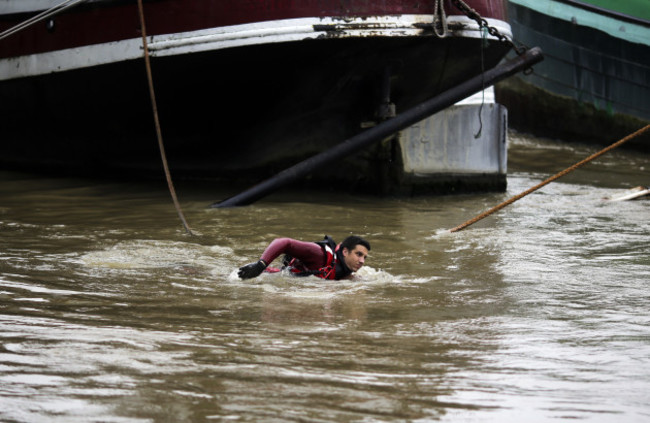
(549, 180)
(157, 121)
(41, 16)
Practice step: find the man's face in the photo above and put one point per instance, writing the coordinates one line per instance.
(356, 258)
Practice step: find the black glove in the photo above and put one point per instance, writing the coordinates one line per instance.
(252, 270)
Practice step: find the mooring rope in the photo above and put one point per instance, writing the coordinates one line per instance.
(439, 17)
(157, 121)
(551, 179)
(484, 33)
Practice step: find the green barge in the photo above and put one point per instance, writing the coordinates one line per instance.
(594, 84)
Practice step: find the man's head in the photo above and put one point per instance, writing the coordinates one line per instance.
(355, 250)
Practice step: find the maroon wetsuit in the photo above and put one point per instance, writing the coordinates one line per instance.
(309, 253)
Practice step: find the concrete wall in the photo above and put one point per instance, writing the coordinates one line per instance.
(445, 144)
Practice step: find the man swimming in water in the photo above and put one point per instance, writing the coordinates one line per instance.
(324, 258)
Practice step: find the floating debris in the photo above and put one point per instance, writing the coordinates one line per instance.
(632, 194)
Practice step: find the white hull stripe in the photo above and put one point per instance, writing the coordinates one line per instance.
(279, 31)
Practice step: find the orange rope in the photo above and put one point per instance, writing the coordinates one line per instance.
(157, 121)
(549, 180)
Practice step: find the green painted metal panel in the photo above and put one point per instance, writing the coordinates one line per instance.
(566, 11)
(587, 64)
(636, 8)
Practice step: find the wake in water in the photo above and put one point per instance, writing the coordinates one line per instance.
(220, 263)
(154, 256)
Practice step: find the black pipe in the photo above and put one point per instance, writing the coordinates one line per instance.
(386, 128)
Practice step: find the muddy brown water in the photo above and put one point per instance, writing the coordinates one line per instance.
(109, 312)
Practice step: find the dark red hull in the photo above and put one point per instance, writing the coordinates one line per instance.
(118, 20)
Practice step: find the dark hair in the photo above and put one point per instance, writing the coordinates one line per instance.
(352, 241)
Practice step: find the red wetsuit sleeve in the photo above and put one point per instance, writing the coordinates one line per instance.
(309, 253)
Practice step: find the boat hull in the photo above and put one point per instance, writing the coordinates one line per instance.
(233, 105)
(594, 83)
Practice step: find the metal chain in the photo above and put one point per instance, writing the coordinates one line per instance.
(482, 23)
